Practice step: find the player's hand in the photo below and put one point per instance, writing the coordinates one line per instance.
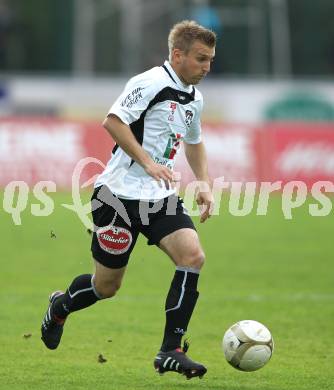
(206, 203)
(160, 172)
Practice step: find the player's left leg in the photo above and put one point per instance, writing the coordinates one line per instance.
(172, 230)
(184, 248)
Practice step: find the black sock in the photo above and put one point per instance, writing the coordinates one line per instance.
(180, 303)
(79, 295)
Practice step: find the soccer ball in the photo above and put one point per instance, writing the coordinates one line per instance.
(248, 345)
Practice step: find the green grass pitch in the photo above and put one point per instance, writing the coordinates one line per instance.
(277, 271)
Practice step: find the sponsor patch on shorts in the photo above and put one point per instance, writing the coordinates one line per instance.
(114, 239)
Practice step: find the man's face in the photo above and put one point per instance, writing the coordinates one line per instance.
(195, 64)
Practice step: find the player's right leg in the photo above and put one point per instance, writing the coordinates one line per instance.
(84, 291)
(111, 248)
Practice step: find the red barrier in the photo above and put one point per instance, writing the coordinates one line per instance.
(47, 149)
(232, 151)
(302, 152)
(36, 149)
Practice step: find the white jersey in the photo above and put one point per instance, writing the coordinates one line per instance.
(161, 112)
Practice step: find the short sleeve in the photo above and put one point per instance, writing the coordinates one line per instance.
(135, 98)
(193, 135)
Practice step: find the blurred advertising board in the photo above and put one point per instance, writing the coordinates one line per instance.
(249, 101)
(44, 149)
(295, 151)
(233, 152)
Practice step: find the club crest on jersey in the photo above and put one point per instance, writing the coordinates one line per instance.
(189, 117)
(114, 239)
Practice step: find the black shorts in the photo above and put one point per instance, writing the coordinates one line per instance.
(118, 222)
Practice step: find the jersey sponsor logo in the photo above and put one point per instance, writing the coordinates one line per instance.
(173, 145)
(189, 117)
(113, 239)
(164, 161)
(133, 97)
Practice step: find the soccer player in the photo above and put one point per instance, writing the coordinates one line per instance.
(156, 111)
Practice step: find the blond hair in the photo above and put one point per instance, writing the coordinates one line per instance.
(183, 34)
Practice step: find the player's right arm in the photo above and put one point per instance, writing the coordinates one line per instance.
(129, 106)
(123, 136)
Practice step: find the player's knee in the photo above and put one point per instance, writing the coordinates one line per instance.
(107, 290)
(198, 259)
(194, 259)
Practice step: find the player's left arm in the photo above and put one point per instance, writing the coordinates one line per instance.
(197, 159)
